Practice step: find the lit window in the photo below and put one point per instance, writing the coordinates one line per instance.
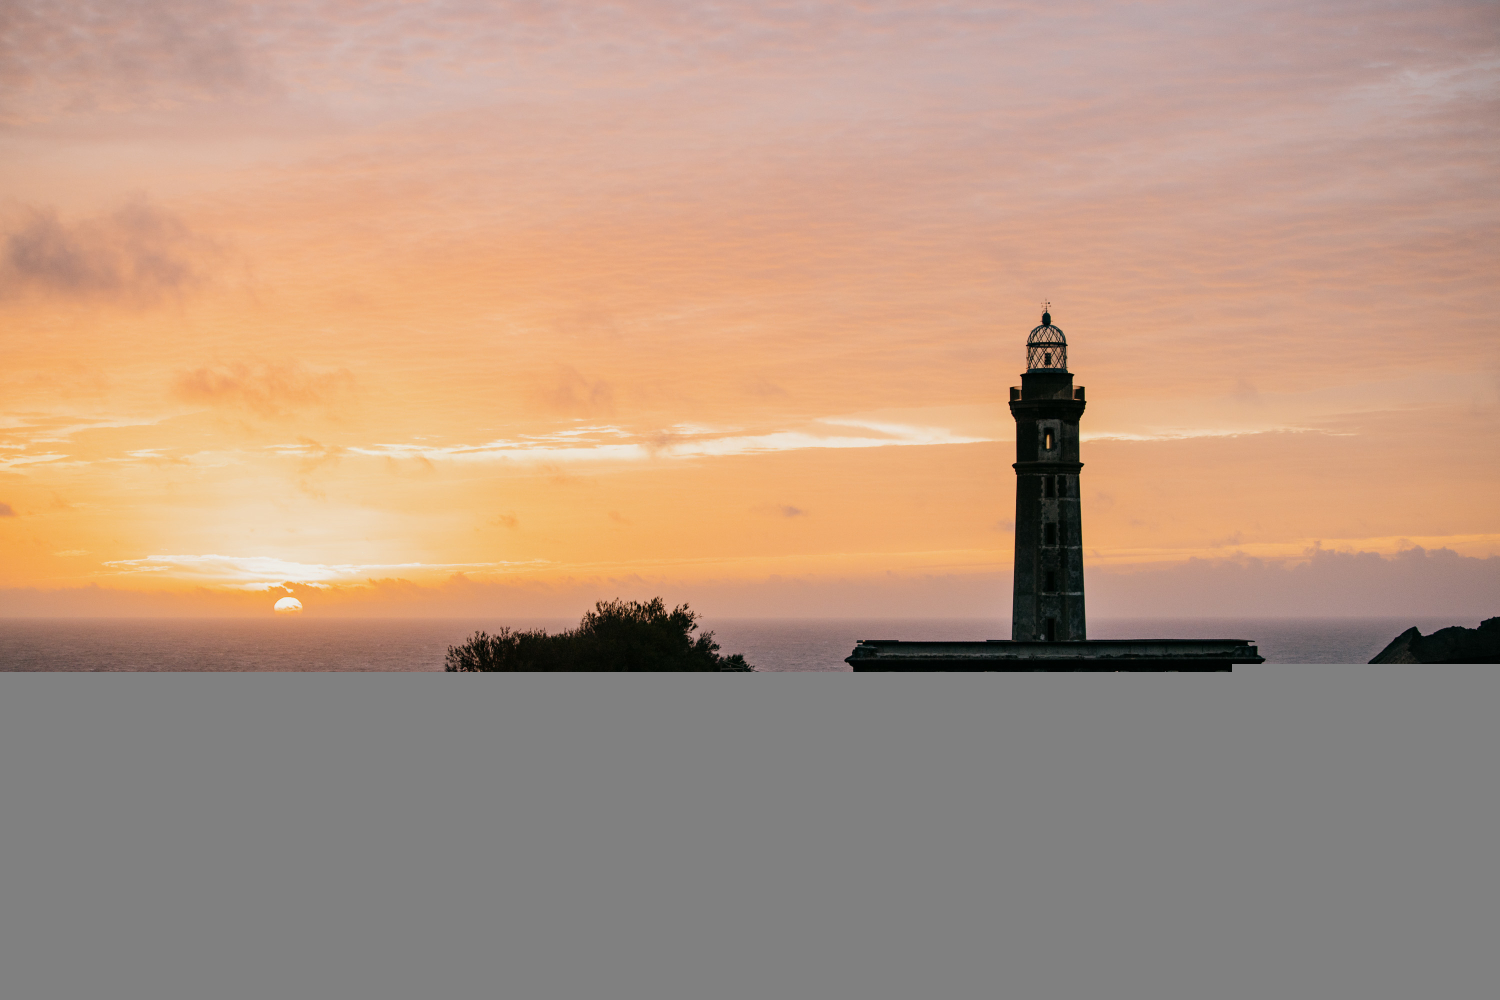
(1047, 440)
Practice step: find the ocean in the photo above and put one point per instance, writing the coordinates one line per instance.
(771, 644)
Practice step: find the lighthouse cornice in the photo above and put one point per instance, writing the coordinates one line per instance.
(1072, 408)
(1050, 468)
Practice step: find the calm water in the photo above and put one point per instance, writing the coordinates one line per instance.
(770, 644)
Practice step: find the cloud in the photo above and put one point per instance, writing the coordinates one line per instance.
(1415, 582)
(575, 396)
(113, 55)
(119, 55)
(268, 572)
(780, 510)
(1322, 582)
(20, 433)
(766, 389)
(314, 454)
(1189, 434)
(6, 510)
(682, 441)
(138, 253)
(11, 461)
(37, 428)
(267, 390)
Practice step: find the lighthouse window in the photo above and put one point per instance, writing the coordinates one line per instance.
(1051, 629)
(1062, 533)
(1062, 486)
(1050, 532)
(1047, 487)
(1051, 581)
(1047, 440)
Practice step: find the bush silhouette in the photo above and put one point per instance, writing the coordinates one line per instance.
(616, 635)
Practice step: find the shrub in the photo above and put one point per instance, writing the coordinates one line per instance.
(616, 635)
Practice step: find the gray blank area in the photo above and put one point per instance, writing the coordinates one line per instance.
(1276, 832)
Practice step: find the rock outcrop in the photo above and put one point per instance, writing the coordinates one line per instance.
(1446, 645)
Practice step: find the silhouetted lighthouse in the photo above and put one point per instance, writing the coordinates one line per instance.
(1048, 601)
(1047, 631)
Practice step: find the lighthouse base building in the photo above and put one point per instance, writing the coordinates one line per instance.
(1048, 628)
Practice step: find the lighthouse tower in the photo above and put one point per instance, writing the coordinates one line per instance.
(1047, 625)
(1048, 596)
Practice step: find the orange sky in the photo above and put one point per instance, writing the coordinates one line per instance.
(722, 302)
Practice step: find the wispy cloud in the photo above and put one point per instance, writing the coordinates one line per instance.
(278, 391)
(267, 390)
(681, 441)
(1188, 434)
(269, 572)
(37, 428)
(575, 396)
(15, 461)
(119, 56)
(31, 439)
(316, 454)
(1360, 582)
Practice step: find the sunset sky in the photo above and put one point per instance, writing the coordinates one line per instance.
(462, 307)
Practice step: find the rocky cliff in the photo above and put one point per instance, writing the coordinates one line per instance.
(1446, 645)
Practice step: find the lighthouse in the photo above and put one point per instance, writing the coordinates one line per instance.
(1047, 623)
(1047, 602)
